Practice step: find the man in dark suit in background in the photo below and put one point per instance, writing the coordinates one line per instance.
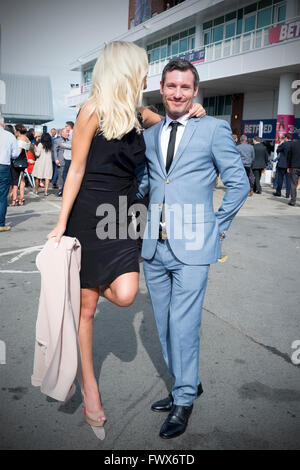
(294, 168)
(282, 165)
(260, 162)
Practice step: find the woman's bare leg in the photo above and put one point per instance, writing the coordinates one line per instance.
(15, 192)
(47, 182)
(22, 189)
(89, 299)
(122, 291)
(37, 184)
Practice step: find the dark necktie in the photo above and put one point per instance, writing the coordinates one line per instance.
(171, 145)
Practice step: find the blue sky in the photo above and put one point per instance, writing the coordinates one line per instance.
(42, 37)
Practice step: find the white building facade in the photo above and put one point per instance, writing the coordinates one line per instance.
(247, 55)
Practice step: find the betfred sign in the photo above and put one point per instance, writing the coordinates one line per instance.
(251, 128)
(284, 32)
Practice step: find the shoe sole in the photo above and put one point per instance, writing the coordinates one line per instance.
(173, 435)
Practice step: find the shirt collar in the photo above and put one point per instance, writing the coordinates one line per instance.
(183, 120)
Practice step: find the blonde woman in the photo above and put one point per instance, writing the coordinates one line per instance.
(107, 147)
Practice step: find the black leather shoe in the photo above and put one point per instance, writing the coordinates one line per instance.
(291, 204)
(276, 194)
(176, 422)
(167, 403)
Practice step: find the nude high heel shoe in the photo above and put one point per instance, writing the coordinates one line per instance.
(93, 419)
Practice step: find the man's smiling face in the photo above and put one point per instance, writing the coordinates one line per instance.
(178, 92)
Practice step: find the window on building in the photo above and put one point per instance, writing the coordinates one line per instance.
(156, 55)
(175, 48)
(172, 46)
(183, 45)
(218, 105)
(228, 104)
(249, 23)
(280, 13)
(218, 33)
(264, 17)
(211, 106)
(206, 38)
(87, 76)
(230, 30)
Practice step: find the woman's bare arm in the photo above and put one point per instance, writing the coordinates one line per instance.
(149, 117)
(83, 133)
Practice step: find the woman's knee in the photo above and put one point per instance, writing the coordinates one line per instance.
(125, 297)
(89, 304)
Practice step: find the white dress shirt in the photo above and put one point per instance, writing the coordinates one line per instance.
(8, 147)
(166, 131)
(164, 142)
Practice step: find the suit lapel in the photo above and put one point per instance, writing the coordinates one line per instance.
(188, 132)
(158, 131)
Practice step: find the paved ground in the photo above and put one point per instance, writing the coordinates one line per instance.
(251, 317)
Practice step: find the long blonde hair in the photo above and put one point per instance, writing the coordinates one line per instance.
(117, 88)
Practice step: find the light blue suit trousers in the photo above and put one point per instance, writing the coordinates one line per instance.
(177, 293)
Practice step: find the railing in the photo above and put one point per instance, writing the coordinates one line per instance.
(246, 42)
(238, 44)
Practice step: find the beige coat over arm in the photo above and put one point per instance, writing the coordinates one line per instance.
(57, 351)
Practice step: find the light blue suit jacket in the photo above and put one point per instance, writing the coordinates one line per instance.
(195, 232)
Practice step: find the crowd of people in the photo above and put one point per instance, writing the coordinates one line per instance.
(285, 164)
(29, 158)
(44, 159)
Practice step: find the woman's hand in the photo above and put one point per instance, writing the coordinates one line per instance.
(57, 233)
(197, 110)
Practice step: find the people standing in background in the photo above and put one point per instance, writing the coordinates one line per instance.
(59, 159)
(283, 151)
(30, 159)
(43, 165)
(67, 146)
(8, 149)
(235, 138)
(10, 128)
(294, 168)
(260, 163)
(17, 174)
(54, 137)
(247, 155)
(30, 134)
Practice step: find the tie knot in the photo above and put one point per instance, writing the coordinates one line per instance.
(174, 124)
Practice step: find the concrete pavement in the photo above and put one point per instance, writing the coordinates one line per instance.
(251, 318)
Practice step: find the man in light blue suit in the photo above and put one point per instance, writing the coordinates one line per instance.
(183, 235)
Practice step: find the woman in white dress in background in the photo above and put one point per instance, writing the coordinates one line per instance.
(43, 168)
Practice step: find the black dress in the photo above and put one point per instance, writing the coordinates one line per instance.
(109, 174)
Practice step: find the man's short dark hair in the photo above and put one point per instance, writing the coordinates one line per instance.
(70, 123)
(288, 136)
(183, 65)
(257, 139)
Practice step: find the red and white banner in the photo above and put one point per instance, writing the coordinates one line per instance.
(284, 32)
